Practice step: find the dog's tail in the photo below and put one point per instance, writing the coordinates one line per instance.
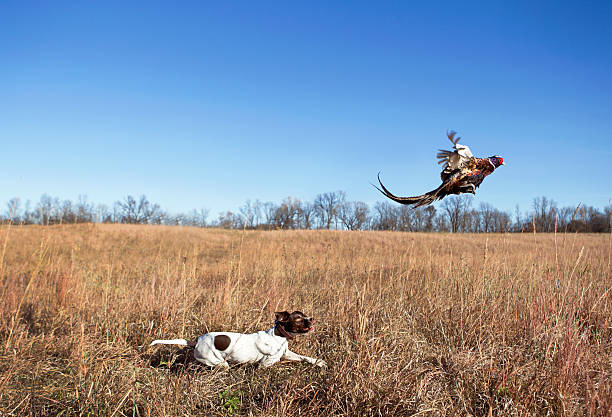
(181, 342)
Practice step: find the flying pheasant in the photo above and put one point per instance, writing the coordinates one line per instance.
(461, 173)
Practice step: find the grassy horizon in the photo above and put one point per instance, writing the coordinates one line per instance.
(409, 323)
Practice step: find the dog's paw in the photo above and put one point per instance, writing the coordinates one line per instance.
(321, 363)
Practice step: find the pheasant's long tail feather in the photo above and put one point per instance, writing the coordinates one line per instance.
(416, 201)
(181, 342)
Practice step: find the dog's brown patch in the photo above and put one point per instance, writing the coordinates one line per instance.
(222, 341)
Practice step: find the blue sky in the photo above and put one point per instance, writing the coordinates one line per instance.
(207, 104)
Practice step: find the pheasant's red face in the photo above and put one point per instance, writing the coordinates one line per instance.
(496, 160)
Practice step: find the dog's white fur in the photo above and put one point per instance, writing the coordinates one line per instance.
(263, 347)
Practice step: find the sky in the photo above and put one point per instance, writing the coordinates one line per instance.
(208, 104)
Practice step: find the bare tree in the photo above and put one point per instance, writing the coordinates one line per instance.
(471, 222)
(46, 209)
(286, 212)
(229, 220)
(200, 216)
(128, 210)
(307, 215)
(327, 206)
(501, 221)
(518, 221)
(441, 224)
(430, 215)
(353, 214)
(250, 213)
(405, 216)
(29, 215)
(386, 216)
(455, 208)
(149, 212)
(68, 214)
(257, 209)
(141, 211)
(487, 213)
(419, 219)
(269, 212)
(84, 210)
(544, 214)
(564, 217)
(13, 210)
(103, 213)
(596, 221)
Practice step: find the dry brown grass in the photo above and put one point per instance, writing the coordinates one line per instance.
(410, 324)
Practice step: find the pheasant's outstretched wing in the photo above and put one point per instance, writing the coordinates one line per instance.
(427, 198)
(457, 159)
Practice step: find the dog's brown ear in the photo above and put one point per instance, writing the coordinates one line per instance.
(282, 316)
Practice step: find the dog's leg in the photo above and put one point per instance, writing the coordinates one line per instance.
(292, 356)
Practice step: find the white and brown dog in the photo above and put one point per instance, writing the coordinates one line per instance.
(264, 347)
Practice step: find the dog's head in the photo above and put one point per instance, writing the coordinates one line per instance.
(294, 323)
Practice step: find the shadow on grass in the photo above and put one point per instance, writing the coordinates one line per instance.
(177, 362)
(183, 360)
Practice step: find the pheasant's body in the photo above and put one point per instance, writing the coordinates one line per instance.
(462, 173)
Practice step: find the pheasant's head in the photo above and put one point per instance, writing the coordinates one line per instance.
(496, 160)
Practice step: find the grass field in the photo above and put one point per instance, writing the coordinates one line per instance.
(410, 324)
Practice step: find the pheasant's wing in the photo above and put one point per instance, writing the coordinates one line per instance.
(450, 134)
(456, 159)
(424, 199)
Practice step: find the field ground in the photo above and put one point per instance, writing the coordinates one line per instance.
(410, 324)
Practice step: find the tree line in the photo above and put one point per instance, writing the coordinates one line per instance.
(330, 210)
